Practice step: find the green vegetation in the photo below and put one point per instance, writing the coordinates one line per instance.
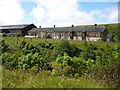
(113, 30)
(20, 79)
(54, 63)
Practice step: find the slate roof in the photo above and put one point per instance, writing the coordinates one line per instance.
(91, 29)
(66, 29)
(20, 26)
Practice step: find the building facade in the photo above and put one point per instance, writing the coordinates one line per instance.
(88, 33)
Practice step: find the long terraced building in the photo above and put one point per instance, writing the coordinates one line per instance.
(88, 33)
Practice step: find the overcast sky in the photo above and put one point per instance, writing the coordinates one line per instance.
(47, 13)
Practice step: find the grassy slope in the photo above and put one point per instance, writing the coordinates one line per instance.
(20, 79)
(112, 28)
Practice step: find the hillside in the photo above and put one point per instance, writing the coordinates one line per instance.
(48, 63)
(113, 29)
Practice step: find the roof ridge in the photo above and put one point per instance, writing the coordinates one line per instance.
(14, 25)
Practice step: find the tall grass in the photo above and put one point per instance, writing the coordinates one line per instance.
(14, 41)
(21, 79)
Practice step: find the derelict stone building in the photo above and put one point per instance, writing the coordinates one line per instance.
(89, 33)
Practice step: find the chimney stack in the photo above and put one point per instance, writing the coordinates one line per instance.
(54, 26)
(72, 25)
(95, 24)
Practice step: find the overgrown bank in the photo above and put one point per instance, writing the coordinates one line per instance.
(62, 58)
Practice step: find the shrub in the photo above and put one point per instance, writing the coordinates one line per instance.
(65, 47)
(5, 47)
(74, 65)
(8, 60)
(4, 34)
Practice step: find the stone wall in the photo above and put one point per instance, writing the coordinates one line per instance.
(90, 36)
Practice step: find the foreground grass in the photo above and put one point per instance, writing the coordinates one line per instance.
(0, 77)
(20, 79)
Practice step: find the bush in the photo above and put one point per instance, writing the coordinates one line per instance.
(8, 60)
(5, 47)
(74, 65)
(106, 67)
(65, 47)
(4, 34)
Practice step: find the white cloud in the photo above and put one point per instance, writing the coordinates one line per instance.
(109, 14)
(10, 12)
(60, 13)
(67, 12)
(55, 12)
(78, 0)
